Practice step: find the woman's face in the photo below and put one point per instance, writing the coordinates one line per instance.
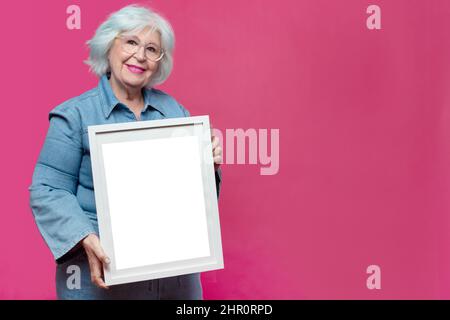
(133, 70)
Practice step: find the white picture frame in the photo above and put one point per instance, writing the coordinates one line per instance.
(156, 200)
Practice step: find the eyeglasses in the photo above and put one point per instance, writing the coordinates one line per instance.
(131, 45)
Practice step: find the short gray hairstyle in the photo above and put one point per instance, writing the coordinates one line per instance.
(131, 19)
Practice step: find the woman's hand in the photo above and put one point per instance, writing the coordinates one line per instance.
(217, 151)
(97, 258)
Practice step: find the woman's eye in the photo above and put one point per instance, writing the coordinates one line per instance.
(151, 49)
(132, 42)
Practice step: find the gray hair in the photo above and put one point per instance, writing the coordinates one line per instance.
(130, 19)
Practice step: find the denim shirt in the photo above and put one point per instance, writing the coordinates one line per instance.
(62, 191)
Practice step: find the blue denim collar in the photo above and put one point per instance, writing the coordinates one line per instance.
(109, 100)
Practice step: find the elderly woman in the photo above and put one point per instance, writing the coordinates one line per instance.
(131, 52)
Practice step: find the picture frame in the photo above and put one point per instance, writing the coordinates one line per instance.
(156, 200)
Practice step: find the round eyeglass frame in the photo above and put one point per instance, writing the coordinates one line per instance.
(121, 38)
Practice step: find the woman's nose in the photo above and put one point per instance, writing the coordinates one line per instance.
(140, 54)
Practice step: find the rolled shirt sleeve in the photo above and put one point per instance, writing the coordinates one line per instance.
(53, 201)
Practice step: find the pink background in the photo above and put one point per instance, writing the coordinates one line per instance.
(364, 125)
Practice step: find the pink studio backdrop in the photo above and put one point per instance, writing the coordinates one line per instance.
(364, 120)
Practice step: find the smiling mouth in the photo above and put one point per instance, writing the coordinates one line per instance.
(135, 69)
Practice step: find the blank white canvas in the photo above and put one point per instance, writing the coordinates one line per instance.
(164, 175)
